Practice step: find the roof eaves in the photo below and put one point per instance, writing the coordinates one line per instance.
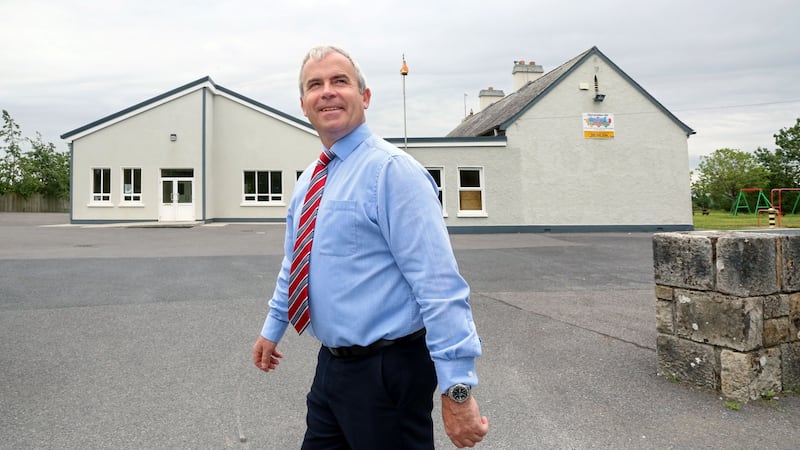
(480, 141)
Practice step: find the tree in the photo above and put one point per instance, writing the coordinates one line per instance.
(724, 173)
(45, 171)
(788, 139)
(42, 170)
(781, 172)
(11, 137)
(784, 163)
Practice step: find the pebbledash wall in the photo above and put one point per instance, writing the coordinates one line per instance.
(728, 310)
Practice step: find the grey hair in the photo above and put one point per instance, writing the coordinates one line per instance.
(317, 53)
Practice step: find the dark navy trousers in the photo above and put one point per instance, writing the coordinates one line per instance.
(381, 401)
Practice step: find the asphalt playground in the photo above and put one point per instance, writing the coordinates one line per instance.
(139, 337)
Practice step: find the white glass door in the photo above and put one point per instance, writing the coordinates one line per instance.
(177, 203)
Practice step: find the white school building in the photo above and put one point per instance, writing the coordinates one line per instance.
(582, 147)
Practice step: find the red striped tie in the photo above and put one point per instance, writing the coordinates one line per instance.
(298, 276)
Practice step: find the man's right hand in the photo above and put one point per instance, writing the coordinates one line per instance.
(265, 355)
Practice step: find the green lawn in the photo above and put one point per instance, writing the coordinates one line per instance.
(723, 220)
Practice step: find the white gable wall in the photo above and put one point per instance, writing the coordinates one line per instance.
(141, 141)
(640, 177)
(238, 137)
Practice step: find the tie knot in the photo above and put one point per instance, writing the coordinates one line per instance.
(326, 156)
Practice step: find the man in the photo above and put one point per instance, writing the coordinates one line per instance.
(384, 296)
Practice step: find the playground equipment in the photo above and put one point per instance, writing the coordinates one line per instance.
(779, 204)
(772, 207)
(762, 201)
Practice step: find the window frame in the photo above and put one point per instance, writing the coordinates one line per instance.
(135, 197)
(253, 198)
(99, 197)
(440, 185)
(481, 188)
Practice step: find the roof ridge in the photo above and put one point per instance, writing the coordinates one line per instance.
(497, 117)
(484, 121)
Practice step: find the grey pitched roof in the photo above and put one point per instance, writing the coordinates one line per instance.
(498, 116)
(197, 84)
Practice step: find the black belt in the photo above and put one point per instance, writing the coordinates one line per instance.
(359, 351)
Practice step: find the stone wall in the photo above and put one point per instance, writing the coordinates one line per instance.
(728, 310)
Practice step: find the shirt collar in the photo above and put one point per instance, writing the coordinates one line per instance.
(345, 146)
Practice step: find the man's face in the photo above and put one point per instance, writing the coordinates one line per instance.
(331, 100)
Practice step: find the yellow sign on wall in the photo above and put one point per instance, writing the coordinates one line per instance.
(598, 126)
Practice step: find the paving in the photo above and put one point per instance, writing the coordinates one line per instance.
(140, 337)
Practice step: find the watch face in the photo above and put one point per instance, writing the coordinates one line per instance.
(459, 393)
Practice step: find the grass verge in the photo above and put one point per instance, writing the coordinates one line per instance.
(723, 220)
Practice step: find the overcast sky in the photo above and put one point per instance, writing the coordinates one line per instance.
(728, 69)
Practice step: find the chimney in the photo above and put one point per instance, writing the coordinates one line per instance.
(489, 96)
(524, 73)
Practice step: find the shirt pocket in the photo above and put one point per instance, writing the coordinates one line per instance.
(339, 237)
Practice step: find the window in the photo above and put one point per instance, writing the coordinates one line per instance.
(177, 173)
(131, 185)
(470, 192)
(101, 185)
(263, 186)
(438, 176)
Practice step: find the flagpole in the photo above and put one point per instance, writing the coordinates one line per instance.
(403, 73)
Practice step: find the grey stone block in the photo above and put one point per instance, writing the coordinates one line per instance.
(776, 306)
(717, 319)
(748, 376)
(664, 317)
(687, 361)
(776, 331)
(794, 317)
(790, 263)
(790, 366)
(746, 264)
(664, 292)
(684, 260)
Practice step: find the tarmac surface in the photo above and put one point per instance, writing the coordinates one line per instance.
(141, 337)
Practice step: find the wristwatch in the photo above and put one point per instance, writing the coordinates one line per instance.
(459, 393)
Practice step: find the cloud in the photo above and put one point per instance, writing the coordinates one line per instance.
(71, 62)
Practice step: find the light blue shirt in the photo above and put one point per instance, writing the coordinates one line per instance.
(381, 263)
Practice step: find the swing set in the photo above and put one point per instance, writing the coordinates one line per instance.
(762, 202)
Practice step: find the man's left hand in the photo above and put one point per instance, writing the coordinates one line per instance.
(463, 422)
